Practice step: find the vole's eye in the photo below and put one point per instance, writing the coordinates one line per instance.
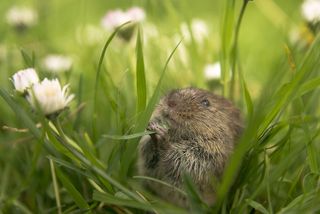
(205, 103)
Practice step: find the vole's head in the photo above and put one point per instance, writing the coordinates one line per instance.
(196, 111)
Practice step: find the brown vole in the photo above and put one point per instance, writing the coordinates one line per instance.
(195, 134)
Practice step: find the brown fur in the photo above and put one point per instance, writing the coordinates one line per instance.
(193, 136)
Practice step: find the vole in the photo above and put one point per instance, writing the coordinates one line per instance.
(195, 133)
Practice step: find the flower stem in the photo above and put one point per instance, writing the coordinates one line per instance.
(234, 50)
(55, 186)
(58, 126)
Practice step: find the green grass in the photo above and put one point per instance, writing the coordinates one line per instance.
(85, 160)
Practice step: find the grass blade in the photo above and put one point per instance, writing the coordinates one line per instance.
(96, 86)
(160, 182)
(159, 207)
(70, 166)
(262, 119)
(21, 113)
(140, 76)
(127, 137)
(110, 199)
(310, 62)
(143, 120)
(29, 61)
(308, 86)
(55, 186)
(101, 172)
(257, 206)
(196, 203)
(247, 97)
(74, 193)
(226, 42)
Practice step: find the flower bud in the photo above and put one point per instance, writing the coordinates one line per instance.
(311, 10)
(212, 71)
(115, 18)
(24, 79)
(57, 63)
(21, 17)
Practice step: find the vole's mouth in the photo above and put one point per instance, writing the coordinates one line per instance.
(169, 116)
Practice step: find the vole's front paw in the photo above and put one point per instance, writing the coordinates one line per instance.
(159, 128)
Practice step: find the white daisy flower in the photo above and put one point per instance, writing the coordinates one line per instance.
(24, 79)
(212, 71)
(49, 96)
(311, 10)
(57, 63)
(115, 18)
(136, 14)
(21, 17)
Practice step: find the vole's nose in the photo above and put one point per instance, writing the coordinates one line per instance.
(172, 103)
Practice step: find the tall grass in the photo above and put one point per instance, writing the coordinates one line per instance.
(84, 161)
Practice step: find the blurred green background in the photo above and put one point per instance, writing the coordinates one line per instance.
(73, 28)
